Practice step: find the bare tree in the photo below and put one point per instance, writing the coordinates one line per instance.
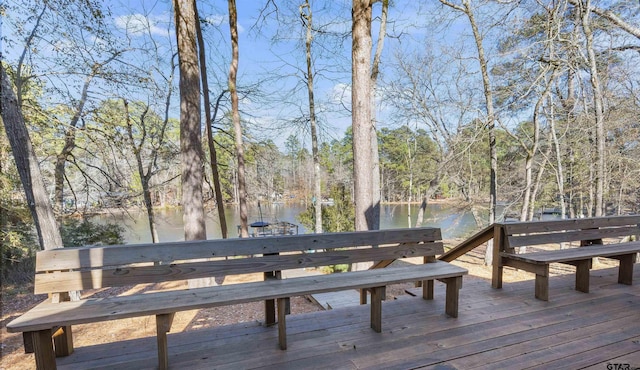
(585, 12)
(376, 195)
(235, 115)
(307, 20)
(190, 135)
(213, 155)
(466, 9)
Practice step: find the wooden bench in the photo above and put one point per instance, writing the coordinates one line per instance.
(588, 233)
(68, 269)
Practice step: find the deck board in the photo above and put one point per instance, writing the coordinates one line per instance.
(505, 328)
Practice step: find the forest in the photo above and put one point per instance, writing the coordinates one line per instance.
(117, 105)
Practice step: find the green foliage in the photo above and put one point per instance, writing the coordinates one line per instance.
(335, 269)
(76, 233)
(337, 218)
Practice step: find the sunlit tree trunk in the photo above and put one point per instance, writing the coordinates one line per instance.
(235, 114)
(376, 195)
(584, 8)
(190, 134)
(213, 155)
(317, 191)
(361, 111)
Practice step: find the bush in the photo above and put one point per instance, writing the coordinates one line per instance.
(77, 233)
(336, 218)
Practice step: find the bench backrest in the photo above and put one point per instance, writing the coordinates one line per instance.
(584, 230)
(68, 269)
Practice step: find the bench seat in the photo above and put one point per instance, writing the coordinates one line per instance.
(47, 314)
(575, 254)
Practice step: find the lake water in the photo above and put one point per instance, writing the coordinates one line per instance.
(453, 223)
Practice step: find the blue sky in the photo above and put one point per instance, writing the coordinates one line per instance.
(271, 52)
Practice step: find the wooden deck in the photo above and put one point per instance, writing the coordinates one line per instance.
(496, 329)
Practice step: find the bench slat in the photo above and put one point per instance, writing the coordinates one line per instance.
(117, 255)
(47, 314)
(569, 236)
(572, 254)
(571, 224)
(62, 281)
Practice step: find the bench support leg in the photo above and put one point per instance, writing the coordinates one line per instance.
(43, 350)
(427, 289)
(27, 341)
(582, 275)
(270, 304)
(283, 304)
(625, 270)
(163, 326)
(542, 284)
(377, 295)
(496, 279)
(63, 341)
(453, 289)
(363, 296)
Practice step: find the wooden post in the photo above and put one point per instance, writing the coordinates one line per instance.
(27, 341)
(625, 270)
(163, 326)
(363, 296)
(427, 289)
(270, 304)
(498, 246)
(453, 289)
(43, 349)
(377, 295)
(62, 336)
(542, 284)
(283, 303)
(582, 275)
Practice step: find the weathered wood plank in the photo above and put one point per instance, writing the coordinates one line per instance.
(112, 255)
(571, 224)
(93, 310)
(61, 281)
(574, 254)
(569, 236)
(606, 355)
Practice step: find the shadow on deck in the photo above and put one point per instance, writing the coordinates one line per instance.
(496, 329)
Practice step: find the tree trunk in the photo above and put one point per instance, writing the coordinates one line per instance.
(361, 112)
(190, 135)
(317, 191)
(213, 156)
(233, 72)
(376, 181)
(27, 165)
(598, 103)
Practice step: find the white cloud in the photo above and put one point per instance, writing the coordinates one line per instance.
(216, 19)
(341, 94)
(219, 20)
(139, 24)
